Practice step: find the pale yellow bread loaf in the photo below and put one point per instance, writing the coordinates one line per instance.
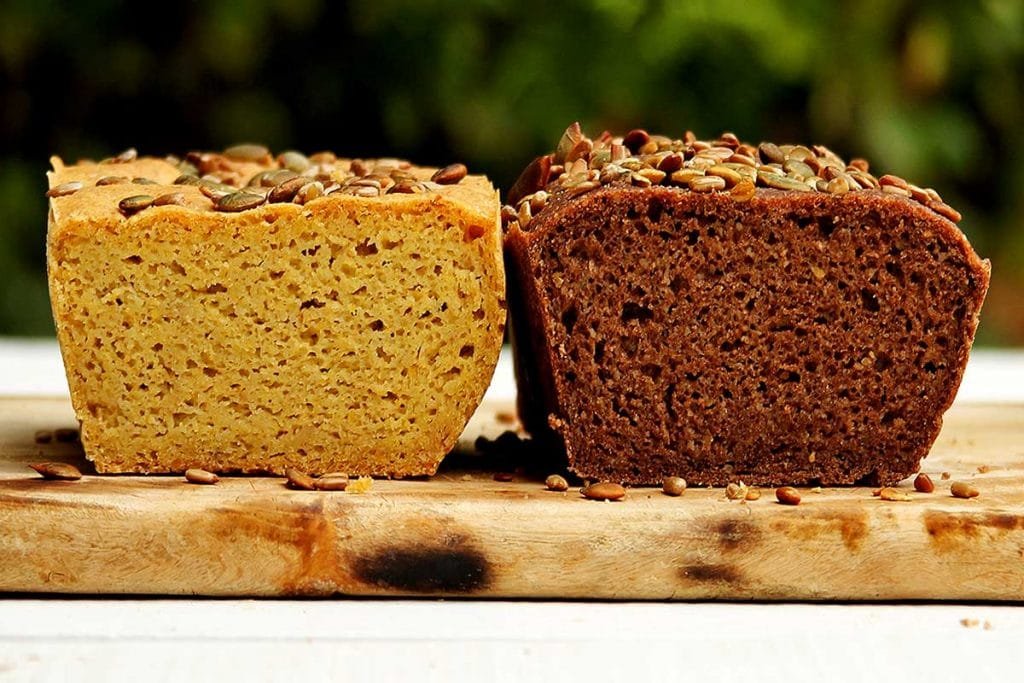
(348, 334)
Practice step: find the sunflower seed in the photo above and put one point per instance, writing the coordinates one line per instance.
(144, 181)
(334, 481)
(239, 201)
(64, 189)
(111, 180)
(299, 480)
(309, 192)
(286, 191)
(405, 187)
(450, 175)
(707, 184)
(124, 157)
(567, 142)
(57, 470)
(169, 199)
(134, 204)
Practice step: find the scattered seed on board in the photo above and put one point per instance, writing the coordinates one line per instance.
(963, 489)
(449, 175)
(736, 491)
(753, 494)
(332, 481)
(895, 495)
(198, 476)
(44, 436)
(923, 483)
(673, 486)
(604, 490)
(65, 435)
(787, 495)
(556, 482)
(299, 480)
(504, 476)
(57, 470)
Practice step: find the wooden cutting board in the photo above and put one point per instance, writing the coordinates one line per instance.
(463, 534)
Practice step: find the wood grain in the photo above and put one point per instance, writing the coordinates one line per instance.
(463, 534)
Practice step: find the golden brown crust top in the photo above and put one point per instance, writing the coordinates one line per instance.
(726, 165)
(248, 177)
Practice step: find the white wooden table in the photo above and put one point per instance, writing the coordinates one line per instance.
(47, 638)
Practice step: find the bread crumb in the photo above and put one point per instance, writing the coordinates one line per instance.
(983, 469)
(968, 623)
(361, 485)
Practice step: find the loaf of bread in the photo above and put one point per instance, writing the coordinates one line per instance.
(725, 312)
(239, 312)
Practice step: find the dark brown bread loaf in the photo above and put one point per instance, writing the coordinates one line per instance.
(723, 312)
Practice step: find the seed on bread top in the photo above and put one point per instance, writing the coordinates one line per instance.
(580, 164)
(249, 176)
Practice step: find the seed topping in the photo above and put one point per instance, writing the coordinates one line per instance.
(580, 164)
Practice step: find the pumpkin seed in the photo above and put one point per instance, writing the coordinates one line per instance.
(239, 201)
(781, 182)
(247, 152)
(293, 161)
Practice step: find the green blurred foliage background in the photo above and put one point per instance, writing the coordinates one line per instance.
(930, 91)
